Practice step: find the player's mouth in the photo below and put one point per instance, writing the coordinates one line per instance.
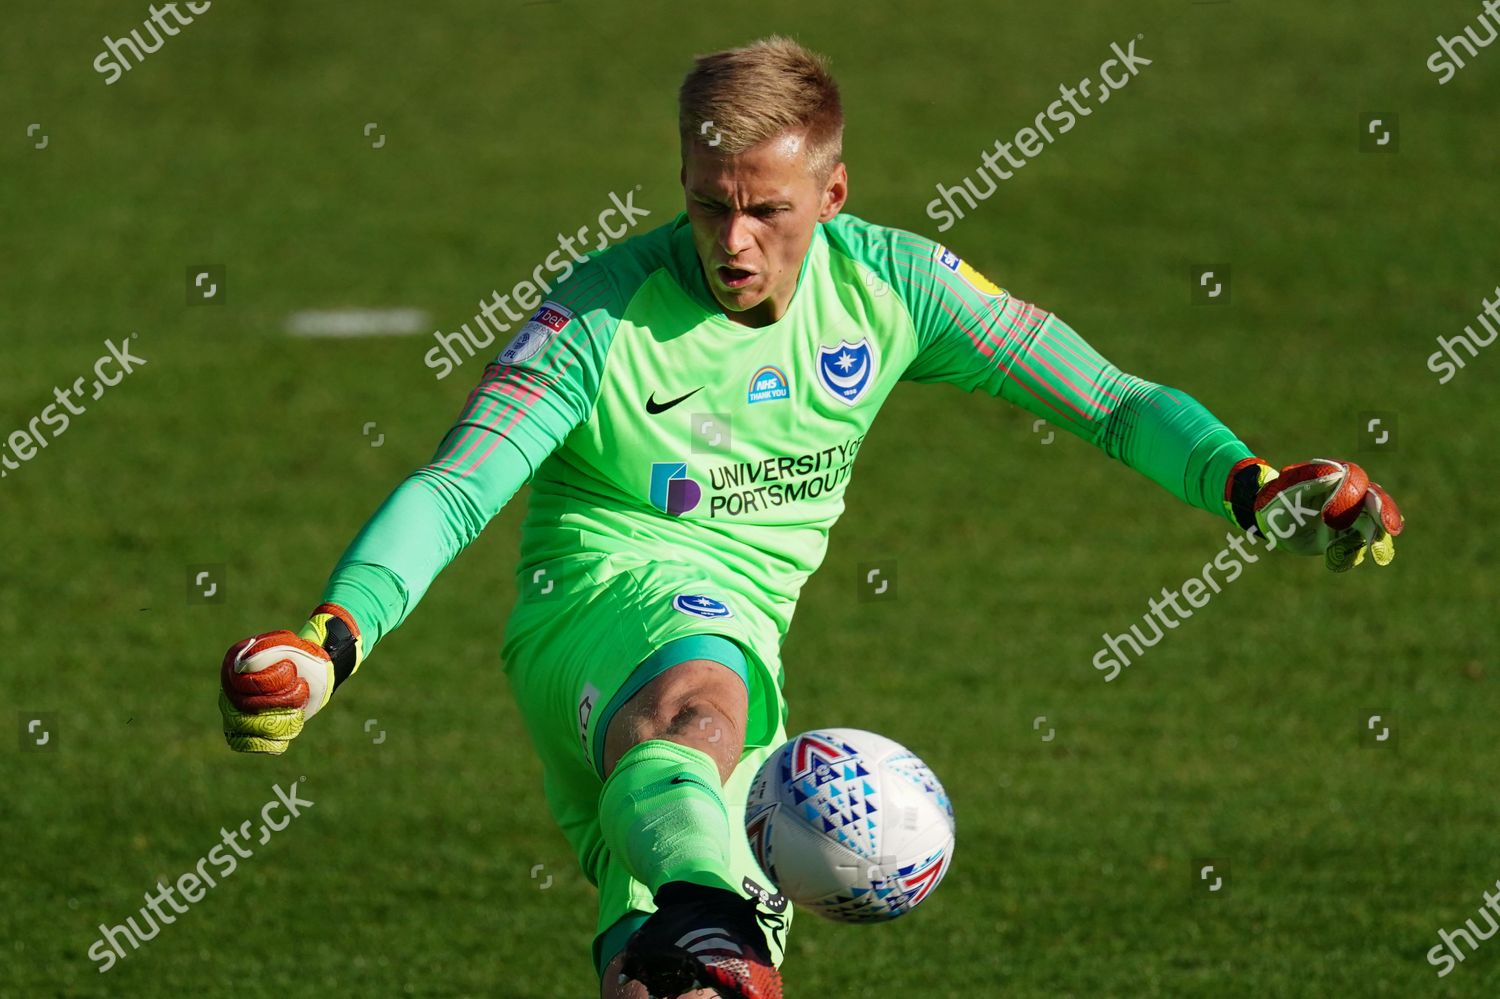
(733, 278)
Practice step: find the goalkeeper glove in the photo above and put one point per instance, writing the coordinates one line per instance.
(1318, 506)
(272, 683)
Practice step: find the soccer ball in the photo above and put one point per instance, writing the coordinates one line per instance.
(850, 825)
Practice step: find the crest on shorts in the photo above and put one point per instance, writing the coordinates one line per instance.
(698, 605)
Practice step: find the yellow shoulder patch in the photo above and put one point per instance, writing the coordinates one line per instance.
(971, 277)
(978, 281)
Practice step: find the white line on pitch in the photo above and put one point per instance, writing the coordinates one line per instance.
(344, 323)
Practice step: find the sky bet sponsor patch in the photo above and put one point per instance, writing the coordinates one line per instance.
(971, 277)
(539, 331)
(768, 384)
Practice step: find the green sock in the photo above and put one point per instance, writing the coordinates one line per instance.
(662, 813)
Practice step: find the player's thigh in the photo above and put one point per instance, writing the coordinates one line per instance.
(699, 703)
(578, 655)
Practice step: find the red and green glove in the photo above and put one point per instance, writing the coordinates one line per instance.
(272, 683)
(1315, 507)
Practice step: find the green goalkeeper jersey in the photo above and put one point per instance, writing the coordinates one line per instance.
(652, 427)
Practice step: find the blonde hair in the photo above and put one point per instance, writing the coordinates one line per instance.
(739, 98)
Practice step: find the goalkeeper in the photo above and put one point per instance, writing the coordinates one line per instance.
(687, 407)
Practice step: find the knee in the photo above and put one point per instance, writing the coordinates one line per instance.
(700, 704)
(708, 720)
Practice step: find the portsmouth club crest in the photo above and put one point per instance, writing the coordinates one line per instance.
(847, 370)
(698, 605)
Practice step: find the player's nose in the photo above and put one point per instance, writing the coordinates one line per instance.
(734, 236)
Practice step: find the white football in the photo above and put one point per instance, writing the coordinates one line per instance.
(850, 825)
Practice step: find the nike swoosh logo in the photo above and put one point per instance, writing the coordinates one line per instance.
(684, 778)
(653, 407)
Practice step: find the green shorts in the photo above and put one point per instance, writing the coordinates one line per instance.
(588, 631)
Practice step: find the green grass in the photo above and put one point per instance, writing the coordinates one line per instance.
(241, 143)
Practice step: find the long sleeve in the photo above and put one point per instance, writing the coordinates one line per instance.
(1031, 358)
(976, 335)
(537, 391)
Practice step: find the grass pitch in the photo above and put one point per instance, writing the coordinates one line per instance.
(423, 867)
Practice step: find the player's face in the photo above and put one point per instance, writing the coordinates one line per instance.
(753, 217)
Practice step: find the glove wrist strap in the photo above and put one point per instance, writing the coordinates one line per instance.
(1246, 479)
(333, 628)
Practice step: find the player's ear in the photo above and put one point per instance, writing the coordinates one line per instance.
(835, 192)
